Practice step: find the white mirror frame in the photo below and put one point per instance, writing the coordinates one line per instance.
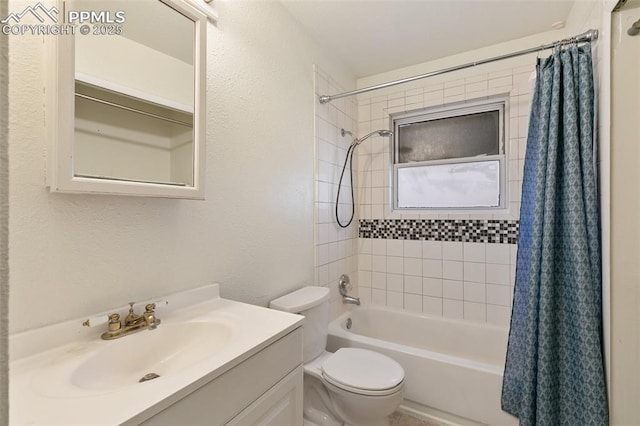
(60, 116)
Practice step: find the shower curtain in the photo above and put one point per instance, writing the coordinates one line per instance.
(554, 372)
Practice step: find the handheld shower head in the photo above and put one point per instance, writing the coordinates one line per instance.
(356, 141)
(349, 159)
(383, 133)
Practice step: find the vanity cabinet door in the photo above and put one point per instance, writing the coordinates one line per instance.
(266, 389)
(280, 406)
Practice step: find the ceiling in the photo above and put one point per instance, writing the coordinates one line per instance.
(374, 36)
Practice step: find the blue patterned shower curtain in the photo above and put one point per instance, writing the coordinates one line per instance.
(554, 372)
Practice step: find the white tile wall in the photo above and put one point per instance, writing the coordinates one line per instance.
(374, 156)
(470, 281)
(335, 248)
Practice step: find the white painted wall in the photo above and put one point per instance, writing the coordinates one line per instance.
(74, 255)
(4, 226)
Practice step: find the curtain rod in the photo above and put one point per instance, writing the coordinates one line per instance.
(587, 36)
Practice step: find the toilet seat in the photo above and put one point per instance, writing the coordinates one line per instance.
(363, 372)
(363, 392)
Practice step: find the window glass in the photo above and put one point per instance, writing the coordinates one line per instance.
(452, 137)
(451, 185)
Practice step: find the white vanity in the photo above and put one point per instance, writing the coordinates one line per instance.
(218, 361)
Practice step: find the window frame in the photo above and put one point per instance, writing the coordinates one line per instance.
(498, 103)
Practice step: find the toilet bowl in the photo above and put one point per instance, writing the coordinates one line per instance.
(352, 386)
(361, 387)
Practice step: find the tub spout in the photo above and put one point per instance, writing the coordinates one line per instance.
(352, 300)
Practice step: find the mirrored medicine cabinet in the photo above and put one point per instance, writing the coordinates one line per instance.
(125, 100)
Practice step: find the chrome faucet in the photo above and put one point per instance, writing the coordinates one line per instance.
(132, 322)
(352, 300)
(345, 285)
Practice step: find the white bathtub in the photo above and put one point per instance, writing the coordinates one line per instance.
(451, 366)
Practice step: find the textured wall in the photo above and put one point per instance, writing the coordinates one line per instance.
(73, 255)
(4, 225)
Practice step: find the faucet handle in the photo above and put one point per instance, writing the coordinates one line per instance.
(344, 285)
(95, 320)
(114, 322)
(131, 318)
(150, 316)
(114, 328)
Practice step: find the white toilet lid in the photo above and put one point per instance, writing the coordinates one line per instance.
(362, 369)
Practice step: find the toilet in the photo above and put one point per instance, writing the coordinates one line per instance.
(352, 386)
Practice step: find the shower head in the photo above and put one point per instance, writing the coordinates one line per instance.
(384, 133)
(635, 28)
(356, 141)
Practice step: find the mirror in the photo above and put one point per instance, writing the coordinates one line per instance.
(134, 88)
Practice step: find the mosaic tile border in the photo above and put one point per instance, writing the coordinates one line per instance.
(464, 230)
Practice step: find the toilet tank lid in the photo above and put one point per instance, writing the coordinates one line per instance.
(301, 300)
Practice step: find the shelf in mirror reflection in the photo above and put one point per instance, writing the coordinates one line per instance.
(152, 143)
(87, 80)
(128, 180)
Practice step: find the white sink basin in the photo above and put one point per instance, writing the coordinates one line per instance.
(166, 350)
(64, 374)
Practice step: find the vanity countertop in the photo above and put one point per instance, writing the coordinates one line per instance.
(53, 380)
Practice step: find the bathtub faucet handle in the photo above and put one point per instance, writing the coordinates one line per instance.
(344, 285)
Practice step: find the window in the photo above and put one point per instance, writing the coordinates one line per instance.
(451, 158)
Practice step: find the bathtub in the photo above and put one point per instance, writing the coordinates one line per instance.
(452, 367)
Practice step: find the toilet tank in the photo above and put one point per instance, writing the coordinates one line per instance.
(313, 304)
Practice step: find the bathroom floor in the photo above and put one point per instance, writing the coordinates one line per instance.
(403, 419)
